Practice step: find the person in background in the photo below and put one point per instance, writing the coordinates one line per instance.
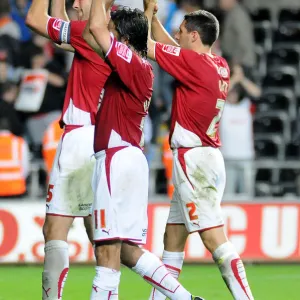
(52, 103)
(185, 7)
(7, 25)
(167, 160)
(14, 161)
(236, 132)
(8, 95)
(19, 9)
(50, 143)
(237, 41)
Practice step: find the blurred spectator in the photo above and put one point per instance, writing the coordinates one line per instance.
(50, 143)
(19, 9)
(237, 41)
(236, 131)
(51, 106)
(7, 25)
(14, 161)
(167, 159)
(185, 7)
(8, 96)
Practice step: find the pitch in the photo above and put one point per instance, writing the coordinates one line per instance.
(268, 282)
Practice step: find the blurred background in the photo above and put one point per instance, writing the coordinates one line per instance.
(260, 129)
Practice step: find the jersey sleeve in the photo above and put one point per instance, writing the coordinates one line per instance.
(59, 31)
(123, 61)
(175, 61)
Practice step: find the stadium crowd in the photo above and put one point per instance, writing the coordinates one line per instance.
(263, 51)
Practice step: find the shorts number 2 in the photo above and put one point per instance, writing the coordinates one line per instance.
(192, 209)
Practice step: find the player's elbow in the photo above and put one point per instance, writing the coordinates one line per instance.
(96, 29)
(30, 20)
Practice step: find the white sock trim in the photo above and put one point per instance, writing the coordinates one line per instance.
(143, 261)
(226, 248)
(173, 255)
(56, 244)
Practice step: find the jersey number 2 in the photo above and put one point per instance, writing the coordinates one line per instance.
(212, 129)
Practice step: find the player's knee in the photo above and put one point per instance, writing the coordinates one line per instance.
(213, 238)
(55, 231)
(107, 252)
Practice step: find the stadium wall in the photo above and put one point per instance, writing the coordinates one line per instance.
(260, 231)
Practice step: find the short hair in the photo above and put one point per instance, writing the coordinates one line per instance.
(205, 23)
(132, 25)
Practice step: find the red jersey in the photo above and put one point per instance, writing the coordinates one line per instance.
(128, 91)
(200, 95)
(87, 76)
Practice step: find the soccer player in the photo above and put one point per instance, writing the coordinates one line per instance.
(198, 167)
(69, 192)
(120, 180)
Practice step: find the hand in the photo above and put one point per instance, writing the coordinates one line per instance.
(152, 3)
(238, 74)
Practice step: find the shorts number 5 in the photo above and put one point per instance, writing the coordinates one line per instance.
(192, 210)
(49, 194)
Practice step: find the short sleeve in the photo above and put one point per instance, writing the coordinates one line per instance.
(174, 61)
(59, 31)
(123, 61)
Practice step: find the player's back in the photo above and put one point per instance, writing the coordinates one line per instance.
(200, 95)
(87, 76)
(128, 92)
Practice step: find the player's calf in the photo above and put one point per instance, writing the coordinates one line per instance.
(107, 278)
(153, 271)
(56, 269)
(229, 263)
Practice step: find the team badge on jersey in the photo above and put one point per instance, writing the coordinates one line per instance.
(223, 72)
(171, 50)
(124, 52)
(57, 24)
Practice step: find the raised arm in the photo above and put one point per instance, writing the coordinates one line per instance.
(150, 7)
(97, 26)
(37, 17)
(58, 10)
(160, 34)
(96, 32)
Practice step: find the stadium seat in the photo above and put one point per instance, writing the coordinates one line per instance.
(274, 99)
(292, 151)
(263, 35)
(288, 33)
(288, 175)
(282, 56)
(264, 175)
(269, 147)
(273, 122)
(281, 77)
(288, 15)
(261, 15)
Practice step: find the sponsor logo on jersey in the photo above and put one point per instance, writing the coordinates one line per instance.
(124, 52)
(223, 72)
(171, 50)
(57, 24)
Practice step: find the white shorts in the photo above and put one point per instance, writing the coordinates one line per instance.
(120, 185)
(199, 180)
(70, 186)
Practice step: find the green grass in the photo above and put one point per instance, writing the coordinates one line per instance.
(268, 282)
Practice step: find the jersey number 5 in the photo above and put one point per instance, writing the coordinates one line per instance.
(212, 129)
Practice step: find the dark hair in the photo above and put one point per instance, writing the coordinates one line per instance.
(132, 25)
(205, 23)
